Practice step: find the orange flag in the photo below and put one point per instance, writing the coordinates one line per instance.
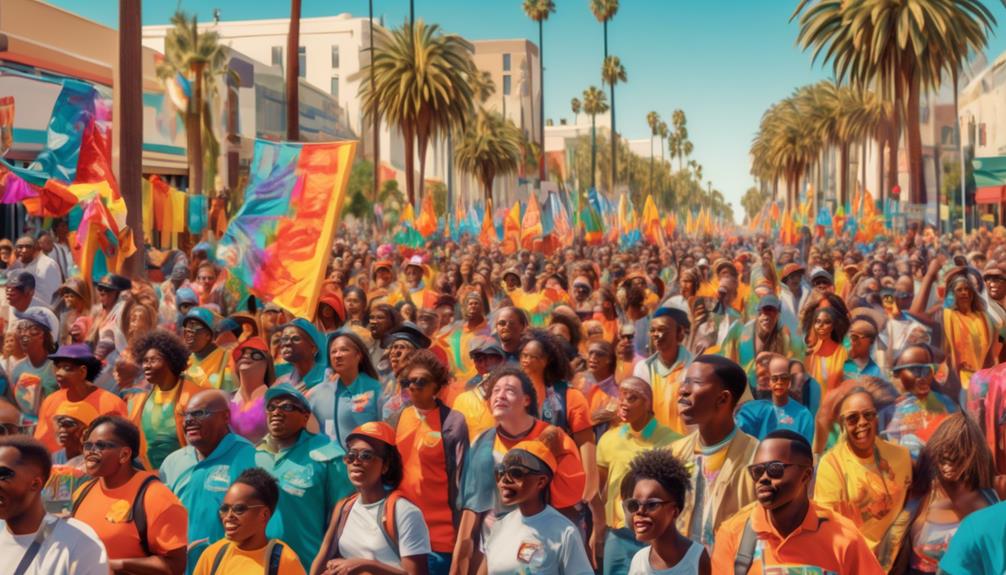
(427, 222)
(651, 222)
(531, 225)
(487, 236)
(511, 230)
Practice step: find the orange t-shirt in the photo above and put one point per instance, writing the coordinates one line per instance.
(577, 408)
(424, 474)
(569, 480)
(102, 401)
(106, 511)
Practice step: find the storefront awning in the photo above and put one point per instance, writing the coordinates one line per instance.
(990, 178)
(990, 195)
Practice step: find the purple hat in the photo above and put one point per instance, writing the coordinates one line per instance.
(79, 353)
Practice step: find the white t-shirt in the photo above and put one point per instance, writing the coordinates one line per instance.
(689, 564)
(48, 278)
(73, 548)
(545, 543)
(362, 537)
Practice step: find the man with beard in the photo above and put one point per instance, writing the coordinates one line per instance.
(785, 530)
(201, 472)
(665, 369)
(762, 416)
(302, 347)
(511, 322)
(765, 333)
(309, 468)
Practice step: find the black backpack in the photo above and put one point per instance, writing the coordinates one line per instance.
(137, 514)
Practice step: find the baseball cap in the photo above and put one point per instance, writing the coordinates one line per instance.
(114, 282)
(40, 316)
(80, 410)
(285, 389)
(821, 273)
(202, 315)
(409, 332)
(534, 455)
(374, 430)
(486, 345)
(771, 301)
(186, 295)
(21, 280)
(679, 316)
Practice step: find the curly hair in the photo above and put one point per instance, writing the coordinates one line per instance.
(573, 325)
(169, 344)
(661, 466)
(426, 359)
(264, 484)
(557, 366)
(510, 369)
(881, 393)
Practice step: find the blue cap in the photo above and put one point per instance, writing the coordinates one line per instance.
(285, 389)
(679, 316)
(771, 301)
(186, 295)
(202, 315)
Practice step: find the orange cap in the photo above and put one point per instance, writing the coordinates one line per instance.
(375, 430)
(539, 450)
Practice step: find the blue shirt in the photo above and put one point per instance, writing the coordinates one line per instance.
(201, 484)
(312, 479)
(851, 371)
(977, 547)
(760, 417)
(340, 409)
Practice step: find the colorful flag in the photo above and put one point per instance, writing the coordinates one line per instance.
(426, 224)
(487, 236)
(651, 222)
(281, 239)
(531, 225)
(511, 230)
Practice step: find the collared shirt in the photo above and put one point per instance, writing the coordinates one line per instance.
(618, 446)
(760, 417)
(201, 483)
(824, 543)
(312, 479)
(665, 381)
(851, 369)
(977, 546)
(340, 408)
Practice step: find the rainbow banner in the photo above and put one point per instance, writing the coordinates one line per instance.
(280, 242)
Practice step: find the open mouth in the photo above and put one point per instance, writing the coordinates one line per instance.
(507, 493)
(641, 525)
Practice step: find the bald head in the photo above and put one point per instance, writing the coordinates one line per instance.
(213, 399)
(206, 421)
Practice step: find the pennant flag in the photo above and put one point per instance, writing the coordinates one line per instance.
(651, 222)
(590, 216)
(282, 236)
(426, 224)
(487, 235)
(511, 230)
(531, 225)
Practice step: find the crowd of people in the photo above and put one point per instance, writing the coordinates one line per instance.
(713, 405)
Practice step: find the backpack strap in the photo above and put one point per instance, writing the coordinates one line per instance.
(273, 553)
(340, 515)
(389, 527)
(84, 490)
(745, 550)
(219, 558)
(138, 513)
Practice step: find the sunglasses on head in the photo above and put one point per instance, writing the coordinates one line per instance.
(647, 506)
(774, 469)
(852, 418)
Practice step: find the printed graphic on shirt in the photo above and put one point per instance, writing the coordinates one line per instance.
(531, 553)
(219, 479)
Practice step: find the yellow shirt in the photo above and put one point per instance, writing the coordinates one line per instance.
(869, 491)
(240, 562)
(473, 405)
(211, 371)
(616, 449)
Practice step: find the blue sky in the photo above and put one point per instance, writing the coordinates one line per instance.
(721, 61)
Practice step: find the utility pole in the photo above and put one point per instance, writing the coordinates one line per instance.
(128, 94)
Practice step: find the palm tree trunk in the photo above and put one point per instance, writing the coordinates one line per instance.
(916, 182)
(614, 150)
(293, 74)
(880, 141)
(408, 134)
(843, 175)
(894, 138)
(195, 137)
(377, 115)
(129, 92)
(651, 165)
(593, 150)
(541, 100)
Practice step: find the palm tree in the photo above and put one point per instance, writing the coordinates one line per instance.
(293, 74)
(490, 147)
(200, 59)
(594, 103)
(900, 48)
(423, 85)
(785, 146)
(653, 121)
(129, 133)
(604, 10)
(680, 123)
(612, 72)
(575, 105)
(538, 10)
(663, 132)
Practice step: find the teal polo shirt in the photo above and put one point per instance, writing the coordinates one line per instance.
(312, 479)
(201, 485)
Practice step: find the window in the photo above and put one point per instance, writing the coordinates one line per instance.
(506, 84)
(277, 56)
(335, 87)
(335, 57)
(302, 61)
(506, 62)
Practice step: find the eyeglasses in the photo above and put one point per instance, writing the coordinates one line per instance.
(859, 336)
(253, 354)
(361, 455)
(237, 509)
(647, 506)
(67, 423)
(284, 407)
(782, 377)
(916, 369)
(100, 445)
(852, 418)
(417, 382)
(9, 429)
(200, 414)
(774, 469)
(291, 339)
(513, 472)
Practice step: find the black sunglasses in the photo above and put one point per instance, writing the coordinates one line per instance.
(852, 418)
(238, 509)
(417, 382)
(775, 469)
(285, 408)
(647, 506)
(363, 456)
(99, 445)
(513, 472)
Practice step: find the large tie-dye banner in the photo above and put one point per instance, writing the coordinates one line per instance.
(280, 241)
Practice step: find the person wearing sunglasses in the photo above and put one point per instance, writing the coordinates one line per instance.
(109, 502)
(43, 543)
(308, 467)
(254, 372)
(33, 377)
(351, 394)
(243, 513)
(200, 472)
(786, 531)
(651, 496)
(302, 348)
(75, 369)
(534, 537)
(864, 478)
(626, 356)
(207, 363)
(376, 529)
(68, 471)
(613, 542)
(920, 409)
(432, 440)
(760, 417)
(862, 335)
(158, 412)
